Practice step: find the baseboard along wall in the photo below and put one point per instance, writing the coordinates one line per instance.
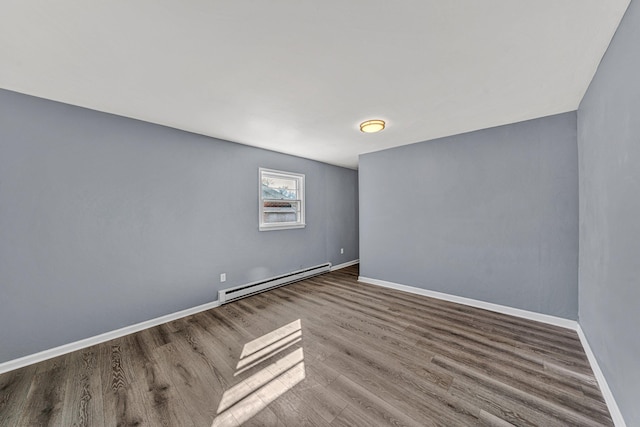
(345, 264)
(531, 315)
(616, 415)
(97, 339)
(41, 356)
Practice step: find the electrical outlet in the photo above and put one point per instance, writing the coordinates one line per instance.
(341, 250)
(223, 277)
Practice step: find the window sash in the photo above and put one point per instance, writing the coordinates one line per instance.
(278, 217)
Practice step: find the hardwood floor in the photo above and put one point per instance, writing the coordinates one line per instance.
(324, 351)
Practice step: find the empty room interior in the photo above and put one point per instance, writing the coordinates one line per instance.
(320, 213)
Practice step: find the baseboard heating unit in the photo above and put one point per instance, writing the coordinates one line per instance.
(232, 294)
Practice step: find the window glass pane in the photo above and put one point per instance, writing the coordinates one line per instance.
(277, 211)
(274, 187)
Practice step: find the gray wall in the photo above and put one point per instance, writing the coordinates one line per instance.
(609, 163)
(107, 221)
(490, 215)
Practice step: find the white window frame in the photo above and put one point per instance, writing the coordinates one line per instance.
(269, 226)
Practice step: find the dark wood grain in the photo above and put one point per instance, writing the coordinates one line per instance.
(83, 397)
(362, 356)
(44, 402)
(14, 388)
(125, 401)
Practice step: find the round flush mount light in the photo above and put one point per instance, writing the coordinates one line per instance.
(371, 126)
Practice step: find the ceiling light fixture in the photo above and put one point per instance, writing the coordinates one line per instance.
(371, 126)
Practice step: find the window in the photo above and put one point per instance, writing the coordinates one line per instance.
(281, 200)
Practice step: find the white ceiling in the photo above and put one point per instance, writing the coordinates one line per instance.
(297, 76)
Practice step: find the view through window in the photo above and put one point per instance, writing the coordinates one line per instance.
(281, 200)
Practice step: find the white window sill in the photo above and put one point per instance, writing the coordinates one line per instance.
(280, 227)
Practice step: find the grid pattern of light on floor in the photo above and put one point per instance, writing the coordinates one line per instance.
(251, 395)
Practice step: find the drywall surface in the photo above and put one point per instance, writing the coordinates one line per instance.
(490, 215)
(609, 163)
(107, 221)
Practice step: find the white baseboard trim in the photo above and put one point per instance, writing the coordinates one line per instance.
(531, 315)
(88, 342)
(616, 415)
(21, 362)
(344, 264)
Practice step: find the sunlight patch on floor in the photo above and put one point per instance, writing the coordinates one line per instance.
(270, 338)
(247, 398)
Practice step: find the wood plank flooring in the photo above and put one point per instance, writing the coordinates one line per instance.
(327, 351)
